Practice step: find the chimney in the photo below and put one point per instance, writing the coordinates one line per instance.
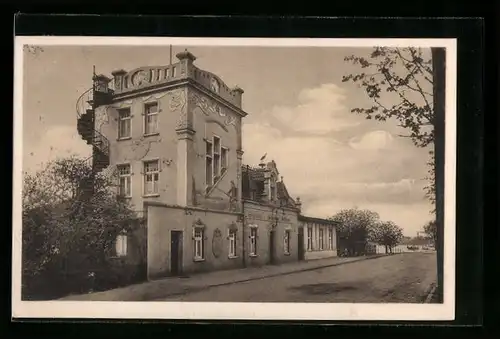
(101, 83)
(237, 93)
(119, 76)
(298, 204)
(186, 62)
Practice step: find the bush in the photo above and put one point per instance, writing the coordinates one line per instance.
(71, 219)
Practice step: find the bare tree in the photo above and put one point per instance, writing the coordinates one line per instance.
(407, 85)
(430, 230)
(399, 81)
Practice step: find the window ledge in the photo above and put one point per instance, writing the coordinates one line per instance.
(125, 197)
(232, 256)
(198, 260)
(151, 195)
(124, 138)
(253, 255)
(151, 134)
(287, 253)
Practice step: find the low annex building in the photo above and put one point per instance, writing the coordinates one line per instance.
(172, 135)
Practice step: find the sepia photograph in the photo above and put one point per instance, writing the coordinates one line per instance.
(204, 178)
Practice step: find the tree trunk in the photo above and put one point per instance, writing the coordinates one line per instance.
(439, 73)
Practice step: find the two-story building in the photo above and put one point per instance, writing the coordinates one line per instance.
(173, 137)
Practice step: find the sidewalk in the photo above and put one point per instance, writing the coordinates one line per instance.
(160, 289)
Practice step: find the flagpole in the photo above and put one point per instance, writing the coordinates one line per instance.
(170, 55)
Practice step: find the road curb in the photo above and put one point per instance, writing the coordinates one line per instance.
(197, 289)
(431, 294)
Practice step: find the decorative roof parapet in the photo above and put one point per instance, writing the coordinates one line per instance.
(146, 77)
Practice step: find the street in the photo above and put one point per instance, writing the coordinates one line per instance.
(400, 278)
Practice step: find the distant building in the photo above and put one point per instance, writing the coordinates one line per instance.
(172, 135)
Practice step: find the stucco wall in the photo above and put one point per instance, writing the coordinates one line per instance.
(262, 216)
(162, 220)
(316, 253)
(210, 118)
(139, 148)
(181, 157)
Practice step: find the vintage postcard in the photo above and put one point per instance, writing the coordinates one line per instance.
(261, 179)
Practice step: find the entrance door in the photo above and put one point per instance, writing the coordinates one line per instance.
(272, 246)
(300, 245)
(175, 252)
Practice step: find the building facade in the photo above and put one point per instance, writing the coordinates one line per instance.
(172, 138)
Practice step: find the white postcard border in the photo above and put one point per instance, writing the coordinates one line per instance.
(238, 311)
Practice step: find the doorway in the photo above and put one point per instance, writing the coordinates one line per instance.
(272, 246)
(176, 252)
(300, 245)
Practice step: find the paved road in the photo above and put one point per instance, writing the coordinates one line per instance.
(398, 278)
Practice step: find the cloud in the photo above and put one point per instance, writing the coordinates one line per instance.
(372, 141)
(371, 167)
(320, 110)
(58, 141)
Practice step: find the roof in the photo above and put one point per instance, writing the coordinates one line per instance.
(318, 220)
(253, 182)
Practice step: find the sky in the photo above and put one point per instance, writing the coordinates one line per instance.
(298, 113)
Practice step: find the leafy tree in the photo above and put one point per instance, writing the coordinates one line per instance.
(68, 227)
(430, 230)
(387, 234)
(355, 226)
(408, 85)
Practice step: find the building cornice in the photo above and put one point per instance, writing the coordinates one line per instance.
(272, 206)
(189, 208)
(318, 220)
(160, 87)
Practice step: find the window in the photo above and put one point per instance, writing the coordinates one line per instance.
(309, 238)
(330, 238)
(209, 164)
(124, 125)
(253, 241)
(321, 239)
(223, 159)
(174, 71)
(166, 73)
(125, 179)
(151, 119)
(151, 177)
(273, 192)
(121, 245)
(216, 152)
(199, 243)
(232, 243)
(286, 244)
(216, 161)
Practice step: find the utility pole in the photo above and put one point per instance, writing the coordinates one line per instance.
(439, 77)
